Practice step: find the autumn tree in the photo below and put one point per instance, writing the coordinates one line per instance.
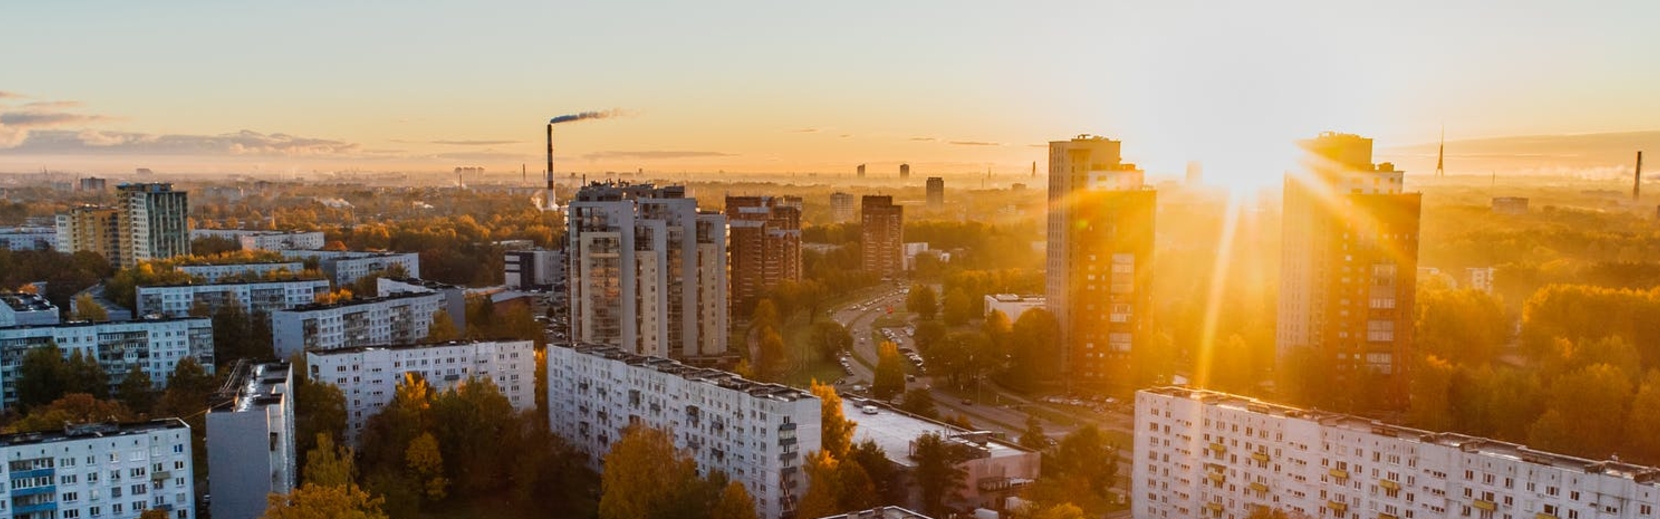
(72, 409)
(136, 390)
(922, 301)
(313, 501)
(328, 465)
(836, 431)
(774, 359)
(1585, 413)
(442, 328)
(1463, 326)
(889, 380)
(937, 473)
(919, 402)
(1641, 444)
(645, 476)
(1431, 387)
(829, 339)
(735, 503)
(426, 465)
(88, 309)
(959, 307)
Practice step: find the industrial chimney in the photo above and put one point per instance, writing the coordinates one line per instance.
(548, 203)
(1637, 181)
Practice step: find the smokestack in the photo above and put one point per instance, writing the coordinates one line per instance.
(548, 203)
(1637, 181)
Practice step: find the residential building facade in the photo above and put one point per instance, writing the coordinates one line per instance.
(533, 268)
(368, 376)
(153, 222)
(1207, 454)
(28, 238)
(346, 267)
(90, 229)
(23, 308)
(216, 273)
(882, 235)
(1100, 258)
(758, 434)
(646, 271)
(764, 245)
(453, 302)
(154, 345)
(250, 441)
(266, 240)
(1349, 267)
(100, 471)
(255, 297)
(401, 318)
(841, 207)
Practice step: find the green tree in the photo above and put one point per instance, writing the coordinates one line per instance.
(1033, 437)
(999, 330)
(829, 339)
(1464, 326)
(928, 333)
(319, 411)
(1431, 389)
(883, 475)
(938, 474)
(136, 390)
(73, 408)
(889, 380)
(1086, 456)
(922, 301)
(86, 375)
(960, 307)
(470, 422)
(312, 501)
(1034, 349)
(920, 402)
(42, 376)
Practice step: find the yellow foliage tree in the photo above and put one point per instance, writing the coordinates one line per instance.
(313, 501)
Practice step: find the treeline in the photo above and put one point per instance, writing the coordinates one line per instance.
(65, 274)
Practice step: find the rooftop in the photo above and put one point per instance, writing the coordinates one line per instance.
(295, 279)
(423, 283)
(724, 379)
(397, 347)
(359, 302)
(204, 321)
(253, 385)
(883, 512)
(90, 431)
(26, 302)
(894, 431)
(1462, 442)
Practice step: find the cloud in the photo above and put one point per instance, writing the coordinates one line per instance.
(39, 105)
(472, 142)
(4, 94)
(245, 142)
(652, 155)
(806, 130)
(924, 139)
(33, 119)
(975, 143)
(846, 135)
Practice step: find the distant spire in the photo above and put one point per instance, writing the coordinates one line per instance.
(1441, 156)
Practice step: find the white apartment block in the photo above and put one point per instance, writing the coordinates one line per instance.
(216, 273)
(368, 376)
(1011, 305)
(250, 441)
(454, 302)
(154, 345)
(266, 240)
(1207, 454)
(256, 298)
(22, 308)
(28, 238)
(756, 433)
(395, 319)
(99, 471)
(647, 271)
(346, 267)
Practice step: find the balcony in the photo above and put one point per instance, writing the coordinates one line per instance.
(1542, 515)
(1337, 506)
(1214, 507)
(1259, 487)
(1339, 473)
(1391, 485)
(1219, 448)
(1484, 504)
(1216, 476)
(1260, 456)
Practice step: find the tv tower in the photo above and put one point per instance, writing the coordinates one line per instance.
(1441, 156)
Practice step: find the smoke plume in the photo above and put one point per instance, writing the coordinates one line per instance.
(584, 115)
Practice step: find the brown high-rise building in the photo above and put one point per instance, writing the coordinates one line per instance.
(936, 192)
(1100, 259)
(841, 207)
(91, 229)
(764, 244)
(1348, 272)
(882, 236)
(904, 171)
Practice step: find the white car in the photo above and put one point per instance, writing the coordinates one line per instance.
(869, 409)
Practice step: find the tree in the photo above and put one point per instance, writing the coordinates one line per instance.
(823, 487)
(86, 375)
(937, 473)
(136, 390)
(1431, 387)
(1034, 349)
(1033, 437)
(88, 309)
(42, 376)
(319, 411)
(426, 465)
(153, 513)
(998, 329)
(442, 328)
(644, 476)
(1464, 326)
(889, 380)
(312, 501)
(1642, 445)
(1056, 511)
(470, 422)
(775, 361)
(836, 431)
(72, 409)
(1085, 456)
(928, 333)
(1585, 413)
(188, 388)
(829, 339)
(735, 503)
(960, 307)
(884, 477)
(743, 369)
(328, 465)
(922, 301)
(919, 402)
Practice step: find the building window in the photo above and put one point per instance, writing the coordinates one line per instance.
(1380, 330)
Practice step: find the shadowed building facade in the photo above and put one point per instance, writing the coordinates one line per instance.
(763, 244)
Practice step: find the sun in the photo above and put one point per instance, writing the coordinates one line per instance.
(1247, 165)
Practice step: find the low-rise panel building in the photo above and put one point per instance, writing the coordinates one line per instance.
(22, 308)
(100, 471)
(28, 238)
(216, 273)
(346, 267)
(256, 297)
(266, 240)
(401, 318)
(154, 345)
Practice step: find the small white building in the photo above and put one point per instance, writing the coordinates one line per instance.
(346, 267)
(533, 268)
(1208, 454)
(758, 434)
(216, 273)
(22, 308)
(368, 376)
(256, 297)
(250, 441)
(401, 318)
(995, 468)
(266, 240)
(99, 471)
(1012, 305)
(154, 345)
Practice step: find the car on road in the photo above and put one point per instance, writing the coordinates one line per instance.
(869, 409)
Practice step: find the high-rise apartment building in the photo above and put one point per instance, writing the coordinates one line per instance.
(904, 171)
(1349, 269)
(1100, 258)
(764, 241)
(90, 229)
(936, 192)
(882, 236)
(861, 171)
(153, 222)
(100, 471)
(1215, 455)
(250, 440)
(841, 207)
(757, 433)
(646, 271)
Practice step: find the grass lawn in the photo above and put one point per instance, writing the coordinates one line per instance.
(807, 365)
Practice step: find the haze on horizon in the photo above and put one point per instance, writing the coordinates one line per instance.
(768, 87)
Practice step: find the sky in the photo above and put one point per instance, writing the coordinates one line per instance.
(769, 86)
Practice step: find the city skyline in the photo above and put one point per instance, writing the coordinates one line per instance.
(762, 88)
